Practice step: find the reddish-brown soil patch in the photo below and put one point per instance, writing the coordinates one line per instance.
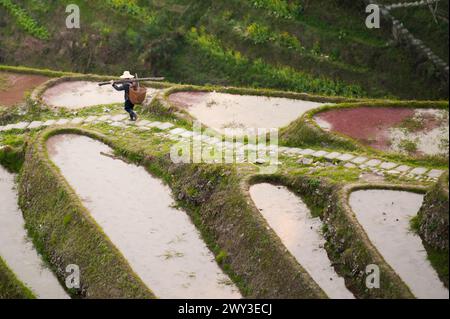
(187, 99)
(369, 125)
(17, 85)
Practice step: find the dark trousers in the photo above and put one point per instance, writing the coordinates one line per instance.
(129, 108)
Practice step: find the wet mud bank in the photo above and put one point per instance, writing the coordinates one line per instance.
(385, 216)
(301, 233)
(18, 251)
(136, 211)
(64, 233)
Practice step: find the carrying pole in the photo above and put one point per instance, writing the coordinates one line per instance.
(131, 80)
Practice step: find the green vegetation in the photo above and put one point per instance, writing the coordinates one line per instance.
(213, 197)
(346, 243)
(46, 201)
(421, 23)
(12, 158)
(257, 72)
(24, 21)
(439, 259)
(431, 224)
(10, 286)
(249, 263)
(278, 44)
(412, 124)
(130, 8)
(408, 146)
(4, 84)
(278, 8)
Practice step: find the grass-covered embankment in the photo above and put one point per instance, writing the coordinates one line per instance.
(12, 157)
(347, 244)
(10, 286)
(64, 233)
(432, 225)
(231, 226)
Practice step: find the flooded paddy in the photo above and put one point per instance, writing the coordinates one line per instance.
(404, 130)
(136, 212)
(13, 86)
(385, 216)
(291, 220)
(17, 250)
(222, 111)
(81, 94)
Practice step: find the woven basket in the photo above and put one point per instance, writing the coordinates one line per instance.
(138, 94)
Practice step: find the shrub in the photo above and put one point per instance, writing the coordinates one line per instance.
(258, 33)
(278, 8)
(262, 74)
(27, 23)
(130, 8)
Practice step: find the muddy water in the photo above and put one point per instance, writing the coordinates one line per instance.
(387, 128)
(385, 216)
(291, 219)
(227, 111)
(81, 94)
(136, 212)
(16, 85)
(17, 250)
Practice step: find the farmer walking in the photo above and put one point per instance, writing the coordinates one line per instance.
(129, 106)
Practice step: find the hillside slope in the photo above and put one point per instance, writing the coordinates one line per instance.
(319, 46)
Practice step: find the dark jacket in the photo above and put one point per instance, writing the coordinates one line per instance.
(123, 87)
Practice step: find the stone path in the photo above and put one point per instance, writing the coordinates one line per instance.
(402, 34)
(303, 156)
(411, 4)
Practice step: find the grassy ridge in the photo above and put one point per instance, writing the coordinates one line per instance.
(10, 286)
(347, 245)
(216, 199)
(64, 233)
(212, 196)
(431, 224)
